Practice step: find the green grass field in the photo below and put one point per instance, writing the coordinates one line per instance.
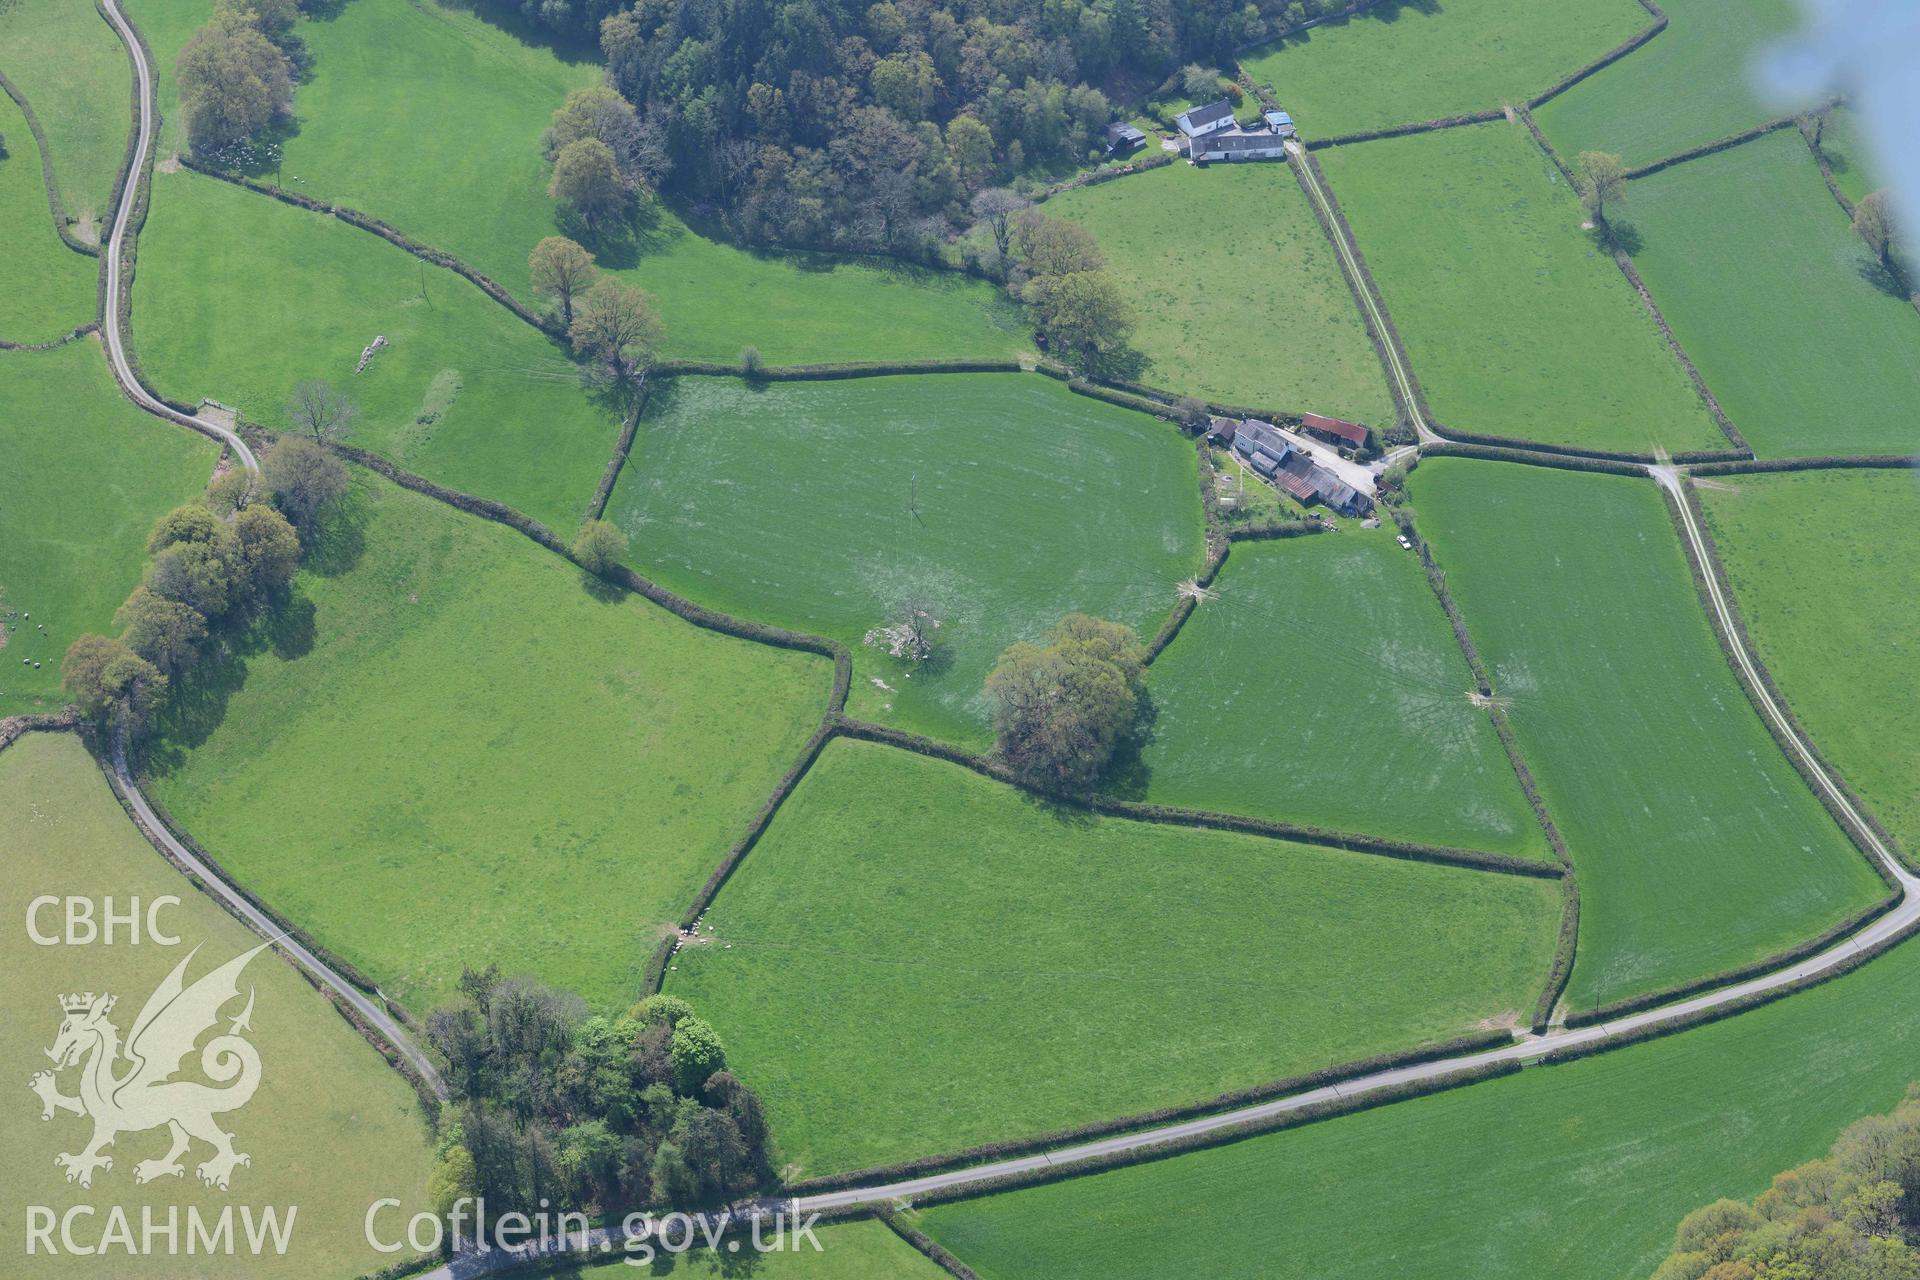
(1577, 1171)
(450, 751)
(1690, 84)
(332, 1127)
(1844, 141)
(74, 71)
(962, 964)
(1003, 499)
(1822, 565)
(1750, 257)
(1696, 845)
(1410, 60)
(86, 476)
(46, 289)
(1515, 322)
(1271, 323)
(862, 1249)
(1322, 684)
(461, 169)
(464, 393)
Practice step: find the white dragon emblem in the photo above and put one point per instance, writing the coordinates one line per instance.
(144, 1095)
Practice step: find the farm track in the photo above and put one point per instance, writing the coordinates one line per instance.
(1525, 1048)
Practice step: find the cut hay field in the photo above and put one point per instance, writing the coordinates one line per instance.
(1408, 60)
(1696, 846)
(71, 67)
(46, 289)
(967, 965)
(462, 170)
(1577, 1171)
(1005, 500)
(1822, 563)
(1749, 257)
(862, 1249)
(1322, 684)
(1269, 324)
(1515, 322)
(332, 1127)
(449, 750)
(85, 476)
(1844, 142)
(1689, 85)
(464, 393)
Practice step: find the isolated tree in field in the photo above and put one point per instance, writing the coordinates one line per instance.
(269, 549)
(599, 545)
(1085, 315)
(233, 80)
(562, 270)
(1600, 177)
(616, 324)
(320, 411)
(164, 632)
(111, 682)
(1873, 223)
(586, 180)
(994, 209)
(1059, 711)
(304, 480)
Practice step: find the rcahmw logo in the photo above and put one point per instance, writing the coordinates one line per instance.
(131, 1085)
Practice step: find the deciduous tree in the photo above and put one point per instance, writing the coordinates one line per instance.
(1600, 177)
(994, 209)
(304, 480)
(269, 549)
(562, 270)
(586, 179)
(233, 80)
(616, 324)
(165, 632)
(1059, 711)
(1873, 223)
(111, 682)
(599, 545)
(321, 411)
(1085, 315)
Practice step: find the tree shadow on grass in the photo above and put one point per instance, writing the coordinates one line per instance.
(1127, 775)
(1890, 280)
(507, 16)
(337, 541)
(196, 705)
(1611, 235)
(601, 591)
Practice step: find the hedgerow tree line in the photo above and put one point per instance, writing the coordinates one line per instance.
(1854, 1215)
(215, 567)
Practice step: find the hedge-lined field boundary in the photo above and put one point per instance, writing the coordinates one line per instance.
(1605, 60)
(1454, 447)
(622, 446)
(91, 326)
(1715, 147)
(1458, 1047)
(1170, 815)
(1403, 130)
(1341, 231)
(1560, 969)
(1701, 1017)
(55, 205)
(1700, 388)
(1145, 164)
(13, 728)
(1222, 1136)
(827, 372)
(1829, 462)
(1820, 160)
(391, 234)
(926, 1244)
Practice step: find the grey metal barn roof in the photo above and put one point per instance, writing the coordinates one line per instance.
(1232, 140)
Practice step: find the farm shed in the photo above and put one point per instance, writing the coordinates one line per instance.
(1123, 137)
(1337, 430)
(1280, 122)
(1238, 144)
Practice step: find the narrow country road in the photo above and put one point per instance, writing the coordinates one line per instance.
(110, 322)
(374, 1014)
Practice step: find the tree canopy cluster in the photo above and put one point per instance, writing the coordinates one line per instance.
(236, 73)
(589, 1112)
(1057, 269)
(1060, 710)
(614, 324)
(870, 125)
(1854, 1215)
